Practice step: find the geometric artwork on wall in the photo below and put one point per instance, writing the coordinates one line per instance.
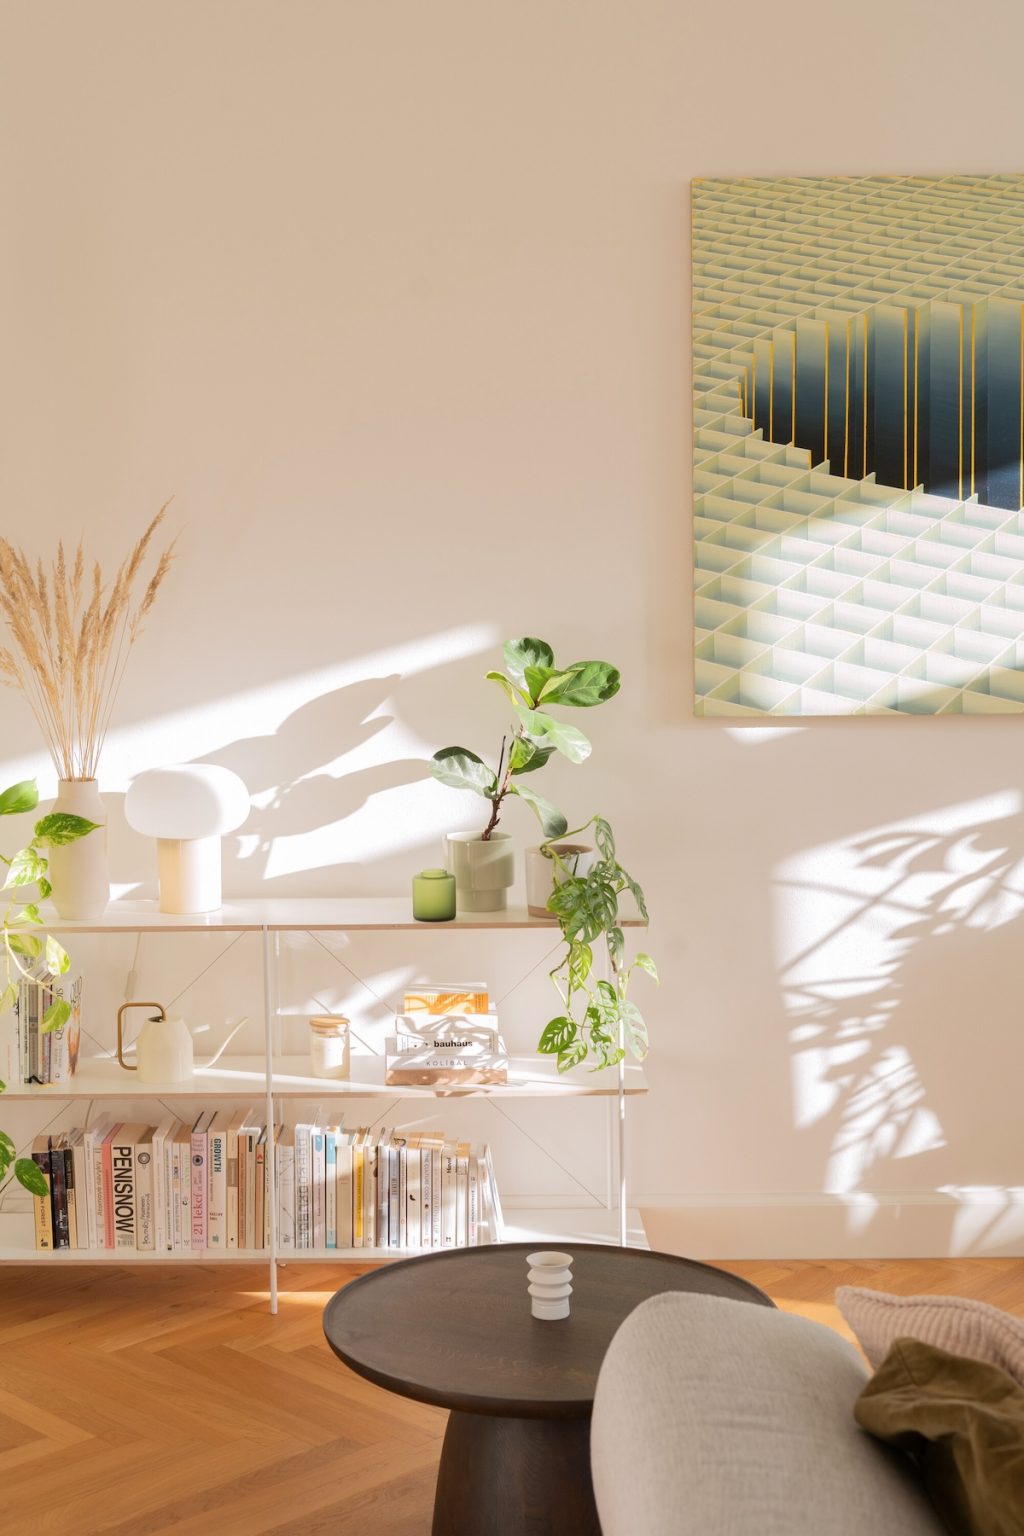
(858, 377)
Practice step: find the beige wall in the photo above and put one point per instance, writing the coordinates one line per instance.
(393, 298)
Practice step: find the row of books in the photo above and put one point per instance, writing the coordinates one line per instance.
(28, 1052)
(213, 1185)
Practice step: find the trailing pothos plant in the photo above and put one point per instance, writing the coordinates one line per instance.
(27, 954)
(599, 1018)
(533, 685)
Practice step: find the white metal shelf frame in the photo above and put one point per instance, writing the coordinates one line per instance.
(270, 919)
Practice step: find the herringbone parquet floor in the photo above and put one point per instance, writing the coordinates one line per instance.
(165, 1398)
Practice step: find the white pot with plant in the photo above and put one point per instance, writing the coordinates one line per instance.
(70, 636)
(483, 862)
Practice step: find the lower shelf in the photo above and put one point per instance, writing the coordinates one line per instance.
(521, 1226)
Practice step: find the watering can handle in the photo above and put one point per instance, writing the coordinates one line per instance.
(161, 1014)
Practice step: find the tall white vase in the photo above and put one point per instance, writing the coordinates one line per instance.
(78, 871)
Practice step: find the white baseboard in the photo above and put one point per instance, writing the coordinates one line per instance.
(979, 1223)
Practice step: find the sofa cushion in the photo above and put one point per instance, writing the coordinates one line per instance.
(963, 1422)
(953, 1323)
(723, 1419)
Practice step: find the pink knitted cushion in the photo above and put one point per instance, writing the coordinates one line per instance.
(953, 1323)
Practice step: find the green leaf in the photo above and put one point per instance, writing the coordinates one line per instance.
(26, 944)
(638, 896)
(585, 684)
(59, 828)
(516, 696)
(553, 822)
(527, 757)
(542, 682)
(647, 964)
(29, 913)
(581, 958)
(528, 652)
(31, 1177)
(636, 1030)
(604, 837)
(8, 997)
(45, 888)
(19, 797)
(551, 732)
(616, 944)
(6, 1144)
(462, 769)
(6, 1158)
(610, 1056)
(58, 961)
(56, 1016)
(586, 907)
(558, 1034)
(26, 867)
(3, 1087)
(573, 1056)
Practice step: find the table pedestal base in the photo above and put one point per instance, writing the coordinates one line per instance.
(515, 1477)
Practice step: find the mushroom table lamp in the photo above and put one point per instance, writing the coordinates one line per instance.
(187, 807)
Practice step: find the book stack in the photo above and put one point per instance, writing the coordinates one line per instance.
(446, 1036)
(180, 1187)
(30, 1054)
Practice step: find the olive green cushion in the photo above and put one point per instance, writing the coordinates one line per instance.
(963, 1422)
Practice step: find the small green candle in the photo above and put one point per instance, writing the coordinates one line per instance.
(433, 896)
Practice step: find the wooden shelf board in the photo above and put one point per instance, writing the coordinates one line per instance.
(244, 1077)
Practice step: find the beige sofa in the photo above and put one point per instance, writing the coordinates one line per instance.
(724, 1419)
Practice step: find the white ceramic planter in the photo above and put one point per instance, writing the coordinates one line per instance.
(543, 874)
(483, 871)
(78, 871)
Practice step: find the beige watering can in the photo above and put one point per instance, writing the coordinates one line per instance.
(163, 1048)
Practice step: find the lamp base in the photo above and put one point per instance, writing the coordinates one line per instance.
(189, 869)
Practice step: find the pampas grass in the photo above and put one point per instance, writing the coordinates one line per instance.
(70, 636)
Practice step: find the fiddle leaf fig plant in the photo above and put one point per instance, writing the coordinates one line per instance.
(24, 951)
(533, 685)
(599, 1018)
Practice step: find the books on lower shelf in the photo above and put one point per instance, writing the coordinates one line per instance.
(28, 1052)
(206, 1187)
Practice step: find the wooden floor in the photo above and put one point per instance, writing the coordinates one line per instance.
(137, 1402)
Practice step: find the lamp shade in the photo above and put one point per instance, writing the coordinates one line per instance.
(186, 800)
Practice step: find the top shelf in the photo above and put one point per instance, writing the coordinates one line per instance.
(283, 914)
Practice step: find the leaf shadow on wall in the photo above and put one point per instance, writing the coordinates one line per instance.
(894, 1007)
(291, 772)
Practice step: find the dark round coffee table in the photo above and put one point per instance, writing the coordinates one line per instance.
(455, 1329)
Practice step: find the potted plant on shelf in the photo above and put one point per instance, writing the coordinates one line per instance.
(28, 955)
(482, 862)
(598, 1018)
(70, 636)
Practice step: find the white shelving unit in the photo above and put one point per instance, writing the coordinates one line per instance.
(276, 1077)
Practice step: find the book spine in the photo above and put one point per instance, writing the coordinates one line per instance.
(383, 1195)
(185, 1188)
(122, 1155)
(436, 1197)
(286, 1195)
(344, 1197)
(199, 1190)
(60, 1063)
(303, 1223)
(42, 1205)
(448, 1191)
(357, 1194)
(497, 1219)
(97, 1220)
(461, 1197)
(411, 1159)
(217, 1210)
(83, 1189)
(58, 1196)
(319, 1161)
(331, 1190)
(396, 1195)
(145, 1236)
(259, 1189)
(108, 1192)
(159, 1192)
(10, 1049)
(369, 1194)
(71, 1186)
(175, 1190)
(426, 1214)
(473, 1203)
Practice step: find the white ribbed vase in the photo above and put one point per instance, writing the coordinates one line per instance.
(550, 1277)
(78, 871)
